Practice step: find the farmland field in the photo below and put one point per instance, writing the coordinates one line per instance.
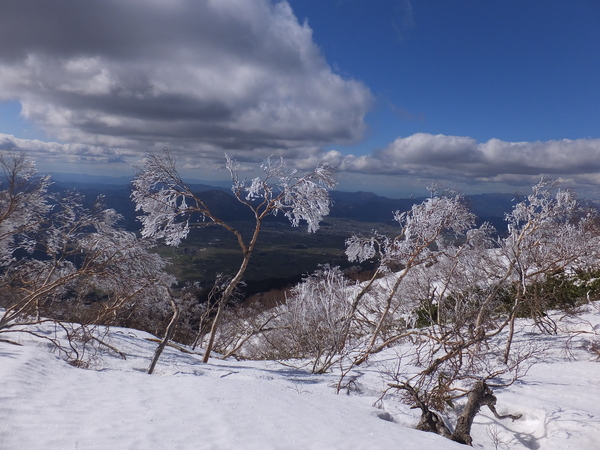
(282, 252)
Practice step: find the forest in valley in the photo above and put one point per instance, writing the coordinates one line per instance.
(436, 279)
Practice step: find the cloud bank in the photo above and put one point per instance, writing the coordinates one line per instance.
(448, 159)
(463, 159)
(109, 80)
(199, 76)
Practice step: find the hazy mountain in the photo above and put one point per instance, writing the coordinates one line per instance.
(492, 208)
(367, 206)
(358, 206)
(370, 207)
(80, 178)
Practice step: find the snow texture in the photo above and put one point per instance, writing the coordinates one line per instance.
(48, 404)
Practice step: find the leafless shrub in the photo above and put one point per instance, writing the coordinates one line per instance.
(170, 208)
(311, 322)
(63, 261)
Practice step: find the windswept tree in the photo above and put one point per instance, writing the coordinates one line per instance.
(23, 204)
(450, 359)
(428, 231)
(457, 293)
(64, 261)
(309, 321)
(171, 208)
(548, 232)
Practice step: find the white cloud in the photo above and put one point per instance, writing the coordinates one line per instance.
(197, 76)
(407, 165)
(68, 153)
(110, 80)
(463, 159)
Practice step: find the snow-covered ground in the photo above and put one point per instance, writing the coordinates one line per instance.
(47, 404)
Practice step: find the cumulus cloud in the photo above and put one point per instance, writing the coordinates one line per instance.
(68, 153)
(464, 159)
(198, 76)
(112, 79)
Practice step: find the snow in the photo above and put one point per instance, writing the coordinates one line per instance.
(46, 403)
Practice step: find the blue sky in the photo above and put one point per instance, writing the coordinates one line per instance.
(478, 95)
(513, 70)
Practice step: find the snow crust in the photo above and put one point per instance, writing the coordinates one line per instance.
(46, 403)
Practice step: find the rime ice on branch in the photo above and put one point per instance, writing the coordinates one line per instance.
(169, 205)
(54, 252)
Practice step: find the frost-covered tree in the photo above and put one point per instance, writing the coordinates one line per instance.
(56, 255)
(450, 360)
(456, 290)
(311, 322)
(171, 208)
(23, 204)
(78, 252)
(548, 232)
(428, 230)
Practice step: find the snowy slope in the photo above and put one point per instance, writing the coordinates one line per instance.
(47, 404)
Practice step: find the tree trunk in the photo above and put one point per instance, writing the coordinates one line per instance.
(222, 303)
(476, 398)
(247, 251)
(480, 395)
(168, 333)
(215, 325)
(432, 422)
(511, 329)
(388, 304)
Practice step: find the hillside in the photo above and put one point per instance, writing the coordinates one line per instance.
(353, 206)
(284, 253)
(48, 404)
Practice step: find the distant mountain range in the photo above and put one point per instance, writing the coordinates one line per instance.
(284, 256)
(80, 178)
(358, 206)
